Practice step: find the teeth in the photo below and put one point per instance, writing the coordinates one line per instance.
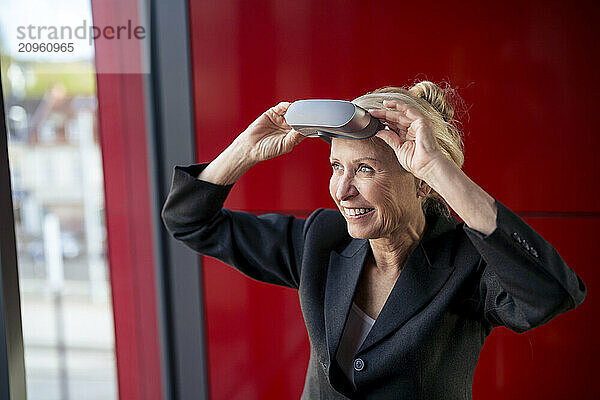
(356, 211)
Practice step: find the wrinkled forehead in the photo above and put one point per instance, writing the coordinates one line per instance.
(349, 149)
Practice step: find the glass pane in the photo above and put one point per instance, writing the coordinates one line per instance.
(57, 183)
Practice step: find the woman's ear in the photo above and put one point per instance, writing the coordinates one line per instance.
(423, 188)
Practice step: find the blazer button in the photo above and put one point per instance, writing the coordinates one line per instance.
(533, 252)
(359, 364)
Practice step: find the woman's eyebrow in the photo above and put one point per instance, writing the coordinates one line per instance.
(357, 160)
(365, 158)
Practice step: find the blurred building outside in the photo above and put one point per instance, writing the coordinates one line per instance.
(58, 198)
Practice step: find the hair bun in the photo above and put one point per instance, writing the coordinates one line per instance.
(434, 95)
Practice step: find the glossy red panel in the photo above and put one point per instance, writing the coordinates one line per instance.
(257, 343)
(122, 131)
(526, 72)
(557, 360)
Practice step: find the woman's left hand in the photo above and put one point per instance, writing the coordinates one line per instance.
(410, 136)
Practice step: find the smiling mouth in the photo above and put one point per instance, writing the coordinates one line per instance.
(356, 213)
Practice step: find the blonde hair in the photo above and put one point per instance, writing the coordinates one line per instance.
(431, 101)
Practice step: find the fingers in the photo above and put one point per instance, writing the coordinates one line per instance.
(391, 138)
(392, 116)
(294, 137)
(276, 113)
(406, 154)
(395, 127)
(408, 110)
(281, 108)
(401, 113)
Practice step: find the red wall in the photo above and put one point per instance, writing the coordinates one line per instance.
(527, 73)
(122, 134)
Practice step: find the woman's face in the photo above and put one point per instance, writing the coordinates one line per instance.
(370, 187)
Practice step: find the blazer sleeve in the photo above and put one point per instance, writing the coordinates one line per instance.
(525, 283)
(266, 247)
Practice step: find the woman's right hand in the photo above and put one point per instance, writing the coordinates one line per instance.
(269, 135)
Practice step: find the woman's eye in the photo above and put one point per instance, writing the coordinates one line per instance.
(361, 168)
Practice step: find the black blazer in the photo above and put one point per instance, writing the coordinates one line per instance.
(455, 287)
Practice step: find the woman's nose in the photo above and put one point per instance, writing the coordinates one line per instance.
(346, 188)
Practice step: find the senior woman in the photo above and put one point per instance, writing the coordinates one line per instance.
(397, 295)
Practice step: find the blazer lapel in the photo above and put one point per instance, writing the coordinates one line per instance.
(342, 277)
(425, 272)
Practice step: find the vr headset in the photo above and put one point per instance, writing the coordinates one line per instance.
(332, 119)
